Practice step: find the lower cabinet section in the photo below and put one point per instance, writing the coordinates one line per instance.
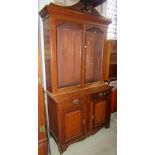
(74, 118)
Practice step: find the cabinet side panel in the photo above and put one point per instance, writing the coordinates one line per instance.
(47, 53)
(53, 119)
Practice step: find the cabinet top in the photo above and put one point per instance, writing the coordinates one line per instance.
(76, 11)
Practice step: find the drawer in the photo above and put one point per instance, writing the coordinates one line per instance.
(101, 94)
(73, 103)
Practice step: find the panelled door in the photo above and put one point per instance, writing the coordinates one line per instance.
(73, 120)
(100, 110)
(94, 52)
(69, 49)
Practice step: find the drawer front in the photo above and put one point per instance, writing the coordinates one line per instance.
(100, 95)
(73, 103)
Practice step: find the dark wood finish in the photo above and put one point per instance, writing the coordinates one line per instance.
(94, 54)
(47, 54)
(113, 72)
(74, 116)
(75, 59)
(73, 124)
(113, 100)
(111, 62)
(92, 2)
(42, 139)
(69, 55)
(43, 148)
(100, 109)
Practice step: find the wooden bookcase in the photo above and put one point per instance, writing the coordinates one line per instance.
(75, 63)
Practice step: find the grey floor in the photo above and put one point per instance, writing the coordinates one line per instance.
(104, 142)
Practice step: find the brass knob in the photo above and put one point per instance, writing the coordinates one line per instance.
(100, 94)
(76, 101)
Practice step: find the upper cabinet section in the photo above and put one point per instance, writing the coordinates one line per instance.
(94, 54)
(69, 47)
(74, 47)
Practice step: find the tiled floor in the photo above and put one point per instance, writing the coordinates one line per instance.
(104, 142)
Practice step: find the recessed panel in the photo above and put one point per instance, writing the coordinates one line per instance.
(73, 124)
(69, 44)
(100, 112)
(94, 55)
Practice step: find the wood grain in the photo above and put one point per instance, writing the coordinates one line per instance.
(42, 140)
(75, 62)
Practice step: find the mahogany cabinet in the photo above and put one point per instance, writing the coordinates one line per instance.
(75, 64)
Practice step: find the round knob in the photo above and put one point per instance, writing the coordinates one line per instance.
(89, 11)
(100, 94)
(76, 101)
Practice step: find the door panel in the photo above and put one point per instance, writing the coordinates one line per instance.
(94, 54)
(73, 118)
(69, 44)
(73, 124)
(100, 112)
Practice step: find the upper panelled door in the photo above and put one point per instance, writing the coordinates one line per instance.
(94, 54)
(69, 45)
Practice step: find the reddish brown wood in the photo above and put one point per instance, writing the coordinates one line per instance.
(73, 14)
(94, 51)
(69, 57)
(100, 109)
(47, 54)
(73, 124)
(113, 100)
(111, 61)
(42, 140)
(75, 57)
(43, 148)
